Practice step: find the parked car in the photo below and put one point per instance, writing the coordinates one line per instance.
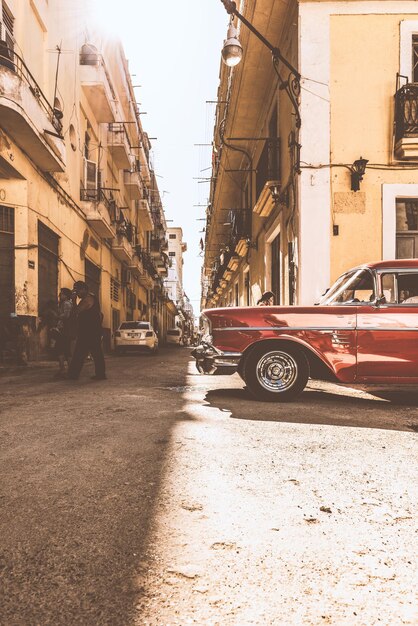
(175, 336)
(135, 336)
(363, 331)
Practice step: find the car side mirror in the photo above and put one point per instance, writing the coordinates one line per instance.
(379, 301)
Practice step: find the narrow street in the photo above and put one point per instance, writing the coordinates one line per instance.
(164, 497)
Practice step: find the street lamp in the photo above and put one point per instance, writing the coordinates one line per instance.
(358, 169)
(232, 54)
(232, 50)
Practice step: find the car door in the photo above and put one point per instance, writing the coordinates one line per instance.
(387, 334)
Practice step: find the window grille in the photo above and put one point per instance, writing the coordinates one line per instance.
(7, 26)
(415, 58)
(173, 236)
(7, 222)
(114, 290)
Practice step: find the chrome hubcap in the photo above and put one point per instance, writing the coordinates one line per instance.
(276, 371)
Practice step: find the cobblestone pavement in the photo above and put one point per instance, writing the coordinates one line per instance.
(164, 497)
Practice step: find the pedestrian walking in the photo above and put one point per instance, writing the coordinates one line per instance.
(89, 333)
(65, 331)
(267, 299)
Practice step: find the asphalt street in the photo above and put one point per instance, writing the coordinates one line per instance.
(163, 497)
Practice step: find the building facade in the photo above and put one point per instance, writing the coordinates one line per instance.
(290, 206)
(78, 195)
(174, 281)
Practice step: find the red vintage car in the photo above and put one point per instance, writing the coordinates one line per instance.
(363, 331)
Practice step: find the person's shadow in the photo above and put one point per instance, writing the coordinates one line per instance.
(391, 410)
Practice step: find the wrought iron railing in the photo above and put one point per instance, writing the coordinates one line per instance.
(406, 111)
(241, 221)
(104, 196)
(11, 60)
(118, 133)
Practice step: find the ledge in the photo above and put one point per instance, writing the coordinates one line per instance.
(266, 203)
(407, 149)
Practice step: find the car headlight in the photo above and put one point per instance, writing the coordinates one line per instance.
(206, 329)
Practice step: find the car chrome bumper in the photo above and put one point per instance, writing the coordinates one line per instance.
(210, 360)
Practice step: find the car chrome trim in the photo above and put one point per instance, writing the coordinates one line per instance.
(210, 359)
(322, 329)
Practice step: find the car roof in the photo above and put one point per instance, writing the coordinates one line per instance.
(394, 264)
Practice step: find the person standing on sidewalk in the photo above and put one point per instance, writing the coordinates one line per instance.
(65, 331)
(89, 333)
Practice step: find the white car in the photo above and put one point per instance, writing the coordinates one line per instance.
(175, 336)
(136, 335)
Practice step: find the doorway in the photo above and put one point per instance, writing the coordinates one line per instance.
(7, 261)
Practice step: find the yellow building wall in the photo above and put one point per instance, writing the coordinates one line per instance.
(364, 63)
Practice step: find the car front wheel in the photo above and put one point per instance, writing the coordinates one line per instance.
(276, 374)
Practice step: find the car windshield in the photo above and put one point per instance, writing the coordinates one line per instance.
(134, 326)
(173, 332)
(352, 288)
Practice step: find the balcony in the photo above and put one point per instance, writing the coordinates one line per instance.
(100, 212)
(96, 84)
(144, 214)
(136, 266)
(26, 115)
(119, 146)
(144, 162)
(163, 263)
(150, 271)
(406, 122)
(132, 182)
(233, 262)
(122, 249)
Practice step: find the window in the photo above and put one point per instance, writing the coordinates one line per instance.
(114, 290)
(415, 58)
(400, 288)
(172, 236)
(352, 288)
(171, 254)
(408, 50)
(47, 267)
(135, 326)
(406, 228)
(7, 26)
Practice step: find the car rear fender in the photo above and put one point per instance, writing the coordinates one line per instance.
(318, 367)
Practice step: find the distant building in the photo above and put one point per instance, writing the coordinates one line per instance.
(174, 281)
(78, 196)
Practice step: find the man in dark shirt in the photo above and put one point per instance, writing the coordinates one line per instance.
(89, 333)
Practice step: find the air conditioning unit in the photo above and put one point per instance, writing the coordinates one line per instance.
(126, 276)
(90, 178)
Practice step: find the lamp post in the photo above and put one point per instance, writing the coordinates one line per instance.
(232, 54)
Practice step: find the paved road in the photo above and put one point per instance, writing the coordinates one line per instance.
(164, 497)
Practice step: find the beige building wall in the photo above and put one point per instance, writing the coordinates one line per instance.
(365, 58)
(86, 230)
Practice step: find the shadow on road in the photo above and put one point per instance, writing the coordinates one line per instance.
(82, 464)
(388, 410)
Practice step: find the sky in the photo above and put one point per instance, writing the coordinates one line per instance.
(173, 48)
